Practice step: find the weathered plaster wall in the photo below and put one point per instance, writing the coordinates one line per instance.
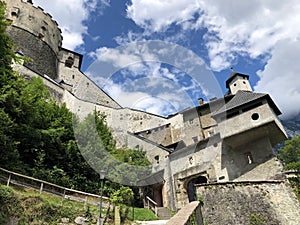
(79, 84)
(191, 132)
(161, 135)
(253, 161)
(246, 121)
(237, 203)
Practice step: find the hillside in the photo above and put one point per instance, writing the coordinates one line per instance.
(28, 207)
(292, 127)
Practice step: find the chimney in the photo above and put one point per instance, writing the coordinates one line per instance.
(201, 101)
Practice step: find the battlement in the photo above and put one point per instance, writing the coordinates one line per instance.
(35, 35)
(35, 20)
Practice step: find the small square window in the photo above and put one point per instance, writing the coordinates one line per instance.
(195, 139)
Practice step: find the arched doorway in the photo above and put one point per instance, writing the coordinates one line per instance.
(191, 189)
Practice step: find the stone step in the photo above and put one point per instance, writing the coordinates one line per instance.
(155, 222)
(163, 213)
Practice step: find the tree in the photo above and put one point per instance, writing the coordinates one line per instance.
(6, 47)
(290, 156)
(8, 151)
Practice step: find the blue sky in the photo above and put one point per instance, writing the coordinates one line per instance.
(260, 38)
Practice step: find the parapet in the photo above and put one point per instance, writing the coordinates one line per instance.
(33, 19)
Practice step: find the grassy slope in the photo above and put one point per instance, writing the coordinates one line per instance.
(29, 207)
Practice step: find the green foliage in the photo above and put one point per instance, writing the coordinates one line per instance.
(6, 47)
(10, 204)
(31, 208)
(123, 195)
(290, 156)
(256, 219)
(37, 134)
(200, 199)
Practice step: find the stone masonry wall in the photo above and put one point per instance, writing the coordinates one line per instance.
(243, 203)
(42, 59)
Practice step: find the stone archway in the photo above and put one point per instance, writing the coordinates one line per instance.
(191, 189)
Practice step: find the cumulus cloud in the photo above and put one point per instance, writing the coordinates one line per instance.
(156, 15)
(233, 27)
(280, 77)
(149, 87)
(255, 29)
(144, 71)
(71, 15)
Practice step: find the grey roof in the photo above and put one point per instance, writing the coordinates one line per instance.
(154, 178)
(240, 98)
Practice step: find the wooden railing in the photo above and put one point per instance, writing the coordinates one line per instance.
(151, 204)
(11, 178)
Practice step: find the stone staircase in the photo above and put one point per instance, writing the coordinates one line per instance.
(163, 213)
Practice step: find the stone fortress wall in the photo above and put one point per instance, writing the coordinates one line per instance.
(36, 35)
(71, 77)
(242, 203)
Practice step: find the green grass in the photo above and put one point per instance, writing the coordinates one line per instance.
(141, 214)
(28, 207)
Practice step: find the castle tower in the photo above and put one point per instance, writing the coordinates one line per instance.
(35, 34)
(238, 82)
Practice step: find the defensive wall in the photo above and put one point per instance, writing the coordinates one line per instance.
(249, 202)
(35, 35)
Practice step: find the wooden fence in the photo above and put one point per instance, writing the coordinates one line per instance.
(11, 178)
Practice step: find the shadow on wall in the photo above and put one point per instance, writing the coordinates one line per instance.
(238, 160)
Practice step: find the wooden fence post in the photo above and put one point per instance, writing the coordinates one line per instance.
(41, 188)
(8, 180)
(63, 197)
(85, 202)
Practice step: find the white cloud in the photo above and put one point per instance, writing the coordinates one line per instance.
(70, 15)
(153, 89)
(268, 29)
(141, 81)
(233, 27)
(280, 77)
(156, 15)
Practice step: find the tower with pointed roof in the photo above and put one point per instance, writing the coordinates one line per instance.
(238, 81)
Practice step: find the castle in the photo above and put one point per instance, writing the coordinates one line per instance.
(214, 145)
